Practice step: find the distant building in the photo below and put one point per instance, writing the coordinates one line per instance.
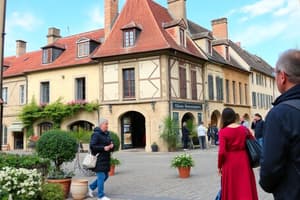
(147, 63)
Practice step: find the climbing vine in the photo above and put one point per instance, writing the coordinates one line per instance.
(55, 112)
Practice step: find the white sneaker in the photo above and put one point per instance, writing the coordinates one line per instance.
(90, 193)
(104, 198)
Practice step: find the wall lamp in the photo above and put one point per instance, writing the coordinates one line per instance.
(153, 105)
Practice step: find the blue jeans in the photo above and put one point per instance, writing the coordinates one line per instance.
(202, 142)
(99, 182)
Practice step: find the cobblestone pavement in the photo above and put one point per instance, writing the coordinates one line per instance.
(148, 176)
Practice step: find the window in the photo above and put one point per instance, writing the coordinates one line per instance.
(252, 77)
(128, 83)
(182, 37)
(47, 55)
(45, 89)
(233, 92)
(81, 125)
(208, 46)
(22, 94)
(227, 52)
(82, 49)
(254, 99)
(45, 126)
(80, 89)
(240, 93)
(194, 84)
(246, 94)
(182, 79)
(129, 38)
(227, 92)
(219, 82)
(5, 95)
(4, 135)
(210, 87)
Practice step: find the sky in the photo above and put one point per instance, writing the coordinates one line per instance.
(264, 27)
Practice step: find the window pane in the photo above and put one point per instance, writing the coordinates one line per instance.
(44, 92)
(182, 75)
(22, 94)
(4, 94)
(227, 91)
(194, 84)
(128, 83)
(210, 87)
(80, 89)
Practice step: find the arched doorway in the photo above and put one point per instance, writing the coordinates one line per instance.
(215, 118)
(188, 117)
(133, 131)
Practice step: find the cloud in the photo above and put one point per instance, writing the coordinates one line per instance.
(26, 21)
(96, 17)
(262, 7)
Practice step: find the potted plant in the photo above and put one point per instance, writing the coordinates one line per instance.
(154, 147)
(170, 133)
(183, 162)
(59, 147)
(114, 161)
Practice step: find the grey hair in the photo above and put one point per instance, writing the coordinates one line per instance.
(102, 121)
(289, 62)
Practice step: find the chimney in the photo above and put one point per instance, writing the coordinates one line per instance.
(177, 8)
(111, 13)
(220, 29)
(53, 35)
(20, 48)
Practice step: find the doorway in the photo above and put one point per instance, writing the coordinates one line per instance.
(18, 140)
(133, 131)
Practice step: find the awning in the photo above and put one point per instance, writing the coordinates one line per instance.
(16, 127)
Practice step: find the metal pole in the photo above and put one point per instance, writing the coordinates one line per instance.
(2, 32)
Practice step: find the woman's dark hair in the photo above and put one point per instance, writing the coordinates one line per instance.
(228, 117)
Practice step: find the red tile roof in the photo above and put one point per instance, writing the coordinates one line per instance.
(32, 61)
(151, 17)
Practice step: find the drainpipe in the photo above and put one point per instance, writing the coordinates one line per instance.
(2, 29)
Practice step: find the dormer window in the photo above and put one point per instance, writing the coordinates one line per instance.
(130, 34)
(227, 52)
(182, 37)
(209, 46)
(85, 47)
(51, 53)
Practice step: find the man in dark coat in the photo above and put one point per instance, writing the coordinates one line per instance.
(102, 145)
(258, 128)
(280, 162)
(185, 136)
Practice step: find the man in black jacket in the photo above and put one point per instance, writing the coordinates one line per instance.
(102, 145)
(258, 128)
(280, 162)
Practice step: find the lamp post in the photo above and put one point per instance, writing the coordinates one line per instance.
(2, 32)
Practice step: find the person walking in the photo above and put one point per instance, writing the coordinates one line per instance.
(202, 135)
(258, 126)
(280, 161)
(101, 144)
(238, 181)
(185, 136)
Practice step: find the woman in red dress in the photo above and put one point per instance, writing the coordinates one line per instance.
(238, 181)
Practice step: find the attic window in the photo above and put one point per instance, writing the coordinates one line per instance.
(227, 52)
(208, 46)
(51, 53)
(182, 37)
(83, 48)
(131, 33)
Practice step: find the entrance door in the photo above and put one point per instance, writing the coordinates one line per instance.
(18, 140)
(133, 130)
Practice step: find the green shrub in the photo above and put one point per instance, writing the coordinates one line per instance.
(116, 140)
(81, 135)
(170, 133)
(25, 161)
(58, 146)
(52, 191)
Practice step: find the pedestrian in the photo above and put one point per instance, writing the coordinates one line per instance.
(238, 181)
(101, 144)
(280, 161)
(245, 120)
(215, 132)
(258, 126)
(185, 136)
(202, 135)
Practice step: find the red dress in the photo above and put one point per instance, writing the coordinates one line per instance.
(238, 181)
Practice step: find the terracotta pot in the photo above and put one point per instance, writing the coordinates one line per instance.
(112, 170)
(65, 183)
(184, 172)
(79, 188)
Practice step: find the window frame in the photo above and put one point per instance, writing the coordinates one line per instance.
(22, 94)
(80, 95)
(83, 48)
(5, 95)
(47, 55)
(194, 84)
(210, 82)
(44, 100)
(128, 75)
(129, 37)
(182, 82)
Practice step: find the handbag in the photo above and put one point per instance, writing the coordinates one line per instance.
(90, 161)
(254, 152)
